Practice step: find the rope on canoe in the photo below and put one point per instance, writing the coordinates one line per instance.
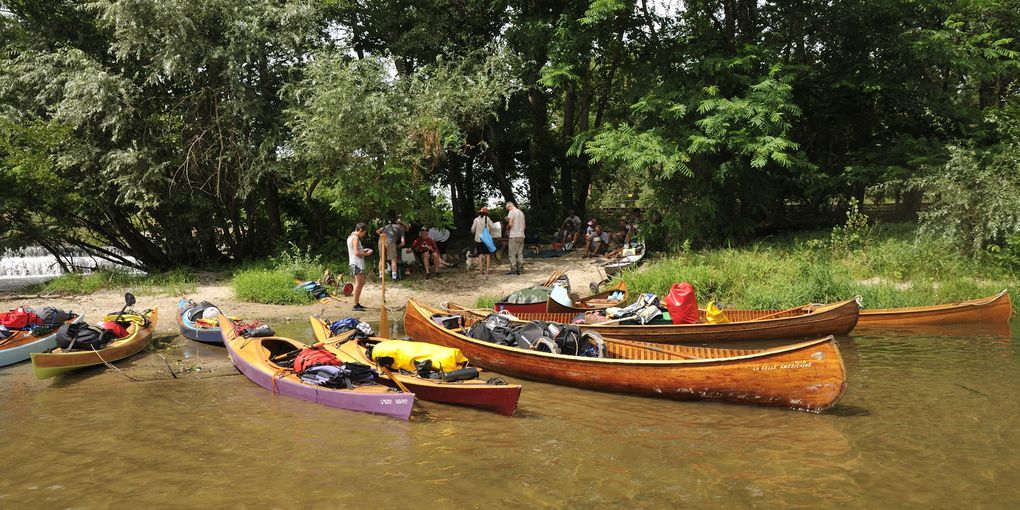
(107, 363)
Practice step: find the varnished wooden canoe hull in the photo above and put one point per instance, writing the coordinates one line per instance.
(20, 346)
(996, 309)
(50, 364)
(833, 319)
(251, 357)
(586, 304)
(190, 330)
(501, 399)
(807, 376)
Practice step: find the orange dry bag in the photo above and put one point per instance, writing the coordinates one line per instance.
(682, 304)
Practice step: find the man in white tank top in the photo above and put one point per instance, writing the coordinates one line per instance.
(356, 257)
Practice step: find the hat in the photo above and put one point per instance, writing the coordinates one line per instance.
(484, 210)
(424, 229)
(591, 222)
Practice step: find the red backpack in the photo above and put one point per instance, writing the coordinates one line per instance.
(115, 328)
(19, 318)
(309, 358)
(682, 303)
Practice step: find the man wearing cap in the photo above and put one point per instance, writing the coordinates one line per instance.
(573, 218)
(482, 222)
(515, 223)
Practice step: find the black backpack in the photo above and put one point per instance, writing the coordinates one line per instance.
(79, 336)
(197, 310)
(492, 331)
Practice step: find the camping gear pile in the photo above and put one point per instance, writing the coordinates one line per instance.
(539, 336)
(320, 367)
(361, 329)
(37, 321)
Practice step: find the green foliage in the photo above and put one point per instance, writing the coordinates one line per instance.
(269, 286)
(852, 235)
(894, 270)
(174, 282)
(487, 301)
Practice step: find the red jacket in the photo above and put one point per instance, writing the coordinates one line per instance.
(421, 245)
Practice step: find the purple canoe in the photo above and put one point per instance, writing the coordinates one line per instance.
(252, 356)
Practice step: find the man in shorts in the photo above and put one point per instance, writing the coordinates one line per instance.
(356, 254)
(394, 230)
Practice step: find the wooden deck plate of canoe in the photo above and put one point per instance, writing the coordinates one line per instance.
(808, 321)
(251, 356)
(49, 364)
(807, 376)
(501, 399)
(990, 310)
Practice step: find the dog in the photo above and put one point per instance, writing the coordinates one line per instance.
(468, 256)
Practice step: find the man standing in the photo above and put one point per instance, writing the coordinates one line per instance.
(515, 222)
(394, 231)
(356, 257)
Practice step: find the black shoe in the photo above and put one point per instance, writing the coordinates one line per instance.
(359, 308)
(428, 276)
(511, 273)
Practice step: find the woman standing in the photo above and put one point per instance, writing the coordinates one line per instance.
(482, 222)
(356, 257)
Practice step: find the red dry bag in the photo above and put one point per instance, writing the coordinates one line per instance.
(682, 303)
(115, 328)
(19, 318)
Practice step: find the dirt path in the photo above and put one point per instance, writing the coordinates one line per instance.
(456, 285)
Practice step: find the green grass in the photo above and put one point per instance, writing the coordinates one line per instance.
(893, 269)
(172, 282)
(486, 301)
(270, 286)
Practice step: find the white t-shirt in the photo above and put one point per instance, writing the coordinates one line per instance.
(516, 223)
(576, 220)
(352, 254)
(479, 225)
(439, 235)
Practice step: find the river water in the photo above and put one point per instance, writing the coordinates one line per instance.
(929, 420)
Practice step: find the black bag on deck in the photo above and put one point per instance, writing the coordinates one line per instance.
(494, 328)
(79, 336)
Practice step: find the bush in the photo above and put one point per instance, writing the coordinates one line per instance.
(269, 286)
(487, 301)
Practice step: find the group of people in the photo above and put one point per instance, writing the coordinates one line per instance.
(430, 245)
(596, 240)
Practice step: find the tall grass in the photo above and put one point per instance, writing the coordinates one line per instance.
(172, 282)
(270, 286)
(893, 269)
(487, 301)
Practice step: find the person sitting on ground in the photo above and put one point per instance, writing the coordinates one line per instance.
(589, 231)
(429, 252)
(441, 236)
(598, 243)
(572, 217)
(626, 232)
(567, 236)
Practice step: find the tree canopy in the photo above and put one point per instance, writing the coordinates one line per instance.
(203, 131)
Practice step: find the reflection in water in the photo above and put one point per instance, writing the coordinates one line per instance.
(927, 421)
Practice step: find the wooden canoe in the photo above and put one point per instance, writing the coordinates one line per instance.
(49, 364)
(21, 344)
(251, 357)
(809, 321)
(499, 398)
(808, 376)
(990, 310)
(190, 329)
(598, 301)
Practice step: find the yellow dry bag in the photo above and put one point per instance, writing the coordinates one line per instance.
(714, 314)
(405, 353)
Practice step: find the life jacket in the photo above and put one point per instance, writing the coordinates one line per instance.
(115, 328)
(19, 318)
(309, 358)
(683, 304)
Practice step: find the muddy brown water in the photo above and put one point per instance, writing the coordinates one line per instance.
(929, 420)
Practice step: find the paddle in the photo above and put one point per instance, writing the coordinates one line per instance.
(384, 323)
(394, 379)
(339, 339)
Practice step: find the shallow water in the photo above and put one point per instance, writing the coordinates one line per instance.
(928, 421)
